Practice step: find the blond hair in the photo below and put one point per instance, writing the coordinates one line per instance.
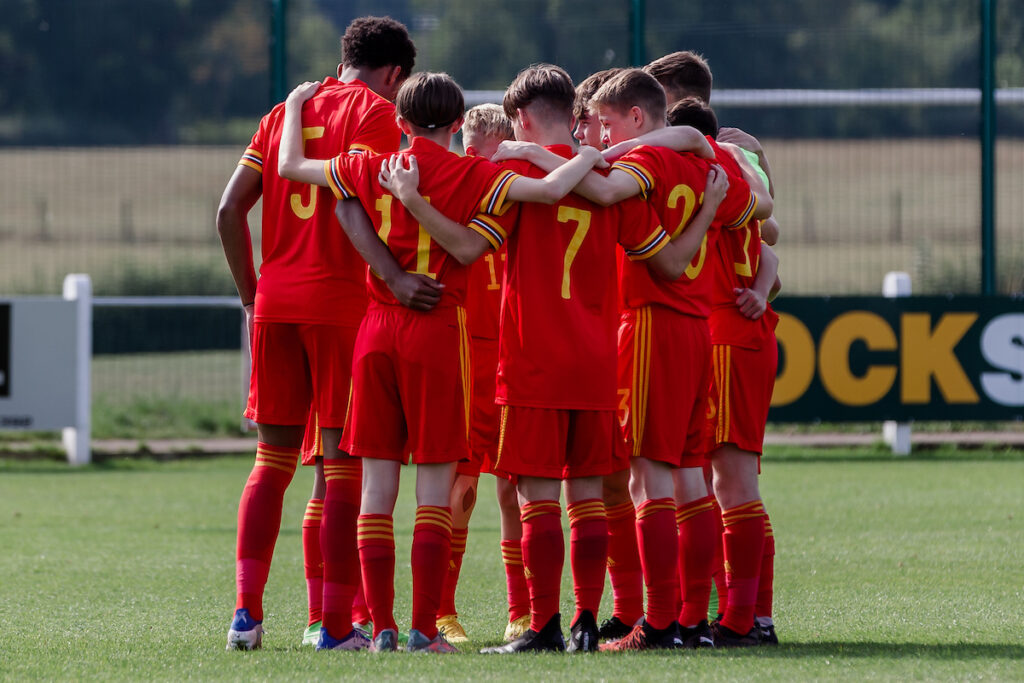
(488, 120)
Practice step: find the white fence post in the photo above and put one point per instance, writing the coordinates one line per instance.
(896, 434)
(78, 439)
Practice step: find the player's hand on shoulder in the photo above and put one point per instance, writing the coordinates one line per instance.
(751, 304)
(514, 149)
(717, 185)
(398, 178)
(593, 155)
(739, 138)
(416, 291)
(303, 92)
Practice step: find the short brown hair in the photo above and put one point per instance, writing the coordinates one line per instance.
(544, 84)
(488, 120)
(587, 87)
(693, 111)
(683, 74)
(430, 100)
(378, 41)
(633, 88)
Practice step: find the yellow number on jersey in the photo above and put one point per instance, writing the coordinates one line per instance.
(383, 204)
(300, 209)
(690, 202)
(493, 271)
(582, 219)
(744, 268)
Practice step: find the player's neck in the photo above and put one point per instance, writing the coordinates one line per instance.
(441, 137)
(546, 137)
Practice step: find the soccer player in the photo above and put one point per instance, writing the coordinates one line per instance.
(664, 347)
(405, 359)
(303, 312)
(742, 328)
(485, 127)
(556, 370)
(624, 568)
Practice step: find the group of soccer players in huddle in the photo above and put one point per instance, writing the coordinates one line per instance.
(590, 316)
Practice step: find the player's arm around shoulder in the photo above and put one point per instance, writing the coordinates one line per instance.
(672, 261)
(464, 244)
(292, 162)
(765, 204)
(600, 189)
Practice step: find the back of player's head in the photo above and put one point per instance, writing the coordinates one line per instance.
(545, 87)
(374, 42)
(632, 88)
(487, 121)
(430, 100)
(693, 111)
(682, 74)
(587, 87)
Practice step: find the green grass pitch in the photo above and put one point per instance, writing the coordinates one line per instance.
(887, 569)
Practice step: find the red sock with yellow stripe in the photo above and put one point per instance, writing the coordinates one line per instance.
(588, 553)
(338, 542)
(312, 560)
(543, 558)
(698, 534)
(259, 521)
(624, 568)
(657, 539)
(767, 575)
(431, 548)
(744, 549)
(515, 579)
(376, 540)
(451, 577)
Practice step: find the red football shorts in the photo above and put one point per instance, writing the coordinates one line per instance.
(741, 393)
(410, 386)
(296, 366)
(483, 414)
(312, 441)
(664, 368)
(555, 443)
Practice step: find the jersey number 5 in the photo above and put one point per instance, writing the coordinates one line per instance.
(581, 217)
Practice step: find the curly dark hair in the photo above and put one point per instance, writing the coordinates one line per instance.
(378, 41)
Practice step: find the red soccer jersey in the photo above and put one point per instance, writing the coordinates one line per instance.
(483, 296)
(673, 184)
(737, 257)
(469, 190)
(558, 345)
(310, 271)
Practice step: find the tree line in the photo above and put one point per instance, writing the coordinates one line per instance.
(198, 71)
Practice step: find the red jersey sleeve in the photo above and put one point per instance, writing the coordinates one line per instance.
(643, 166)
(341, 172)
(378, 133)
(640, 231)
(254, 153)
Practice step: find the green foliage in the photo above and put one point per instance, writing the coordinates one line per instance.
(886, 569)
(189, 278)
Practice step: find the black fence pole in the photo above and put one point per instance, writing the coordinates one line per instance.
(637, 27)
(988, 137)
(278, 56)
